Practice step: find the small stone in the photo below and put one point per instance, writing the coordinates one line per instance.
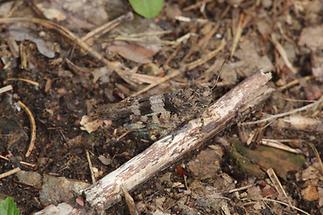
(105, 160)
(50, 194)
(33, 179)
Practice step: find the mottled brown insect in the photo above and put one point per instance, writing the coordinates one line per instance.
(155, 116)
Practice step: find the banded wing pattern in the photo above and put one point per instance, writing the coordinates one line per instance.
(155, 116)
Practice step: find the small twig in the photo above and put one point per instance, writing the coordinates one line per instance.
(32, 127)
(317, 155)
(23, 56)
(77, 69)
(14, 7)
(90, 166)
(36, 84)
(237, 36)
(196, 5)
(273, 117)
(277, 144)
(283, 54)
(188, 66)
(122, 135)
(97, 32)
(278, 186)
(182, 39)
(138, 36)
(284, 203)
(207, 57)
(69, 35)
(172, 55)
(183, 19)
(21, 162)
(130, 202)
(162, 80)
(295, 82)
(10, 172)
(5, 89)
(35, 8)
(296, 100)
(133, 78)
(240, 188)
(204, 41)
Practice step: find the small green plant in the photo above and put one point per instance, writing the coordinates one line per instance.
(147, 8)
(8, 207)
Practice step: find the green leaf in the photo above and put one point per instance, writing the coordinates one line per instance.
(147, 8)
(8, 207)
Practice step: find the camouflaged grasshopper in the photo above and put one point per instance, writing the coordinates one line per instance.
(153, 117)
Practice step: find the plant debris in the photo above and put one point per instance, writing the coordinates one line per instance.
(82, 91)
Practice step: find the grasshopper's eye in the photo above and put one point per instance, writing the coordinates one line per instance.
(153, 137)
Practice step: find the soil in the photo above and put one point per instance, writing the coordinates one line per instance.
(62, 83)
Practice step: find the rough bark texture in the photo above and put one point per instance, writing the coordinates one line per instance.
(240, 101)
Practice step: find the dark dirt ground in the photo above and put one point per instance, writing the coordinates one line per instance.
(60, 83)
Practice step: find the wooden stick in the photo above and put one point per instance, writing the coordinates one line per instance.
(169, 149)
(237, 102)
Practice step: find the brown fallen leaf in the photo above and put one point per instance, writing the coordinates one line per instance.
(134, 79)
(254, 162)
(310, 193)
(75, 14)
(21, 34)
(91, 126)
(133, 51)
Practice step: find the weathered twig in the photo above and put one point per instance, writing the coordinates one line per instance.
(5, 89)
(10, 172)
(170, 148)
(315, 104)
(238, 102)
(32, 128)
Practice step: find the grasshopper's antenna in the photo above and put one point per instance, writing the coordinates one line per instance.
(219, 72)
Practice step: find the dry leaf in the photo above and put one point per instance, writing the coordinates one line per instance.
(91, 126)
(22, 34)
(310, 193)
(133, 51)
(78, 15)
